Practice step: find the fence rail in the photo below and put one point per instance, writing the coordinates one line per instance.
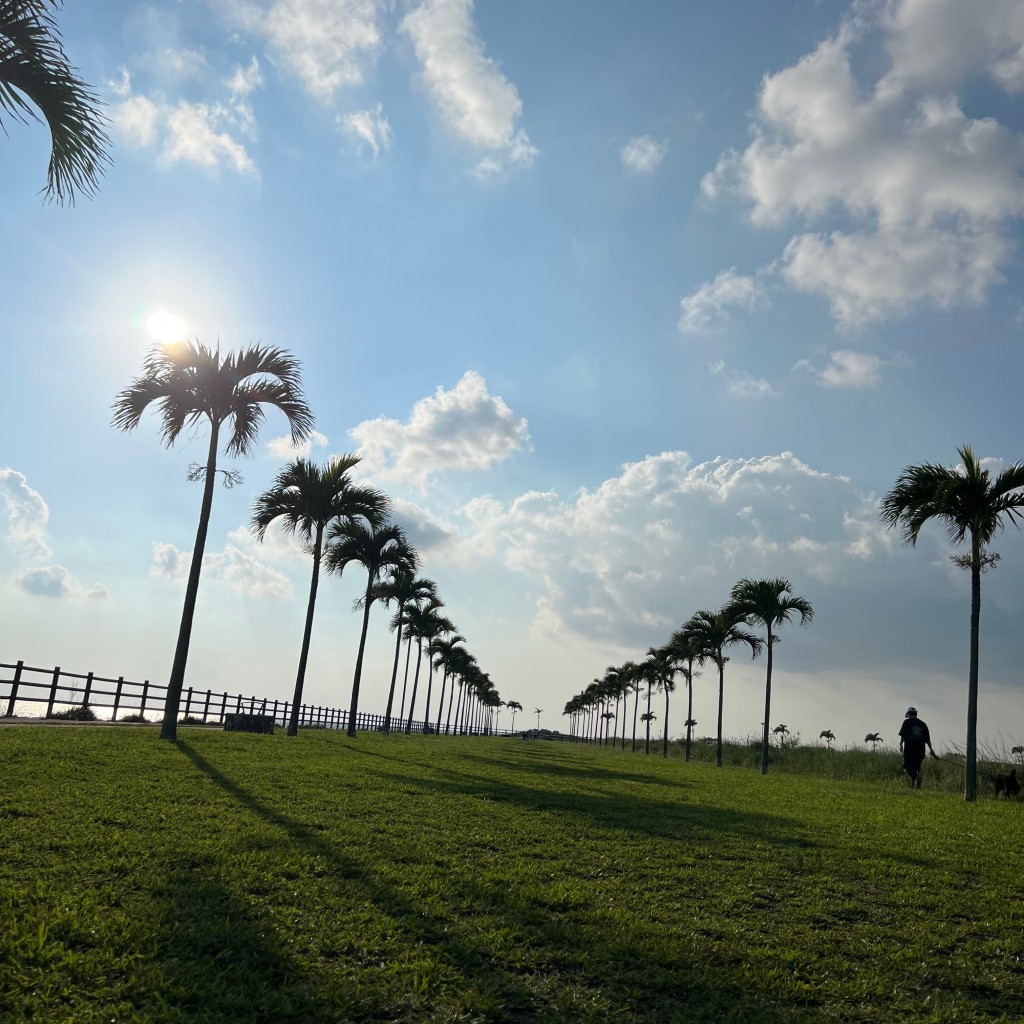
(23, 684)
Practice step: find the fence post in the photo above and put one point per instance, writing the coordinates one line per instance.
(14, 689)
(53, 692)
(238, 705)
(88, 690)
(145, 693)
(275, 712)
(206, 707)
(117, 697)
(223, 707)
(188, 702)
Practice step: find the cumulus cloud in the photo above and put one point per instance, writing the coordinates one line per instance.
(664, 537)
(425, 533)
(323, 43)
(368, 129)
(463, 429)
(643, 154)
(232, 567)
(206, 134)
(847, 369)
(707, 307)
(27, 515)
(740, 384)
(56, 582)
(926, 188)
(478, 103)
(286, 448)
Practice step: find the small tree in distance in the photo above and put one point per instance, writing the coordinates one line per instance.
(874, 739)
(828, 736)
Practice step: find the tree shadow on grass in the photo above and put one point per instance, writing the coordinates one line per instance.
(516, 962)
(593, 770)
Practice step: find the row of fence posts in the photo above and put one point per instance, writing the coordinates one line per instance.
(124, 698)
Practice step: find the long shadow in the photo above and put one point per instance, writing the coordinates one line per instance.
(520, 982)
(668, 819)
(586, 769)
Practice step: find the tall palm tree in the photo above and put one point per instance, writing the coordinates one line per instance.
(421, 623)
(462, 664)
(514, 706)
(969, 502)
(442, 650)
(304, 498)
(769, 603)
(874, 739)
(828, 736)
(711, 633)
(686, 647)
(376, 548)
(191, 384)
(666, 665)
(38, 81)
(403, 587)
(782, 731)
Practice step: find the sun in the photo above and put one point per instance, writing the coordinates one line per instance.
(164, 327)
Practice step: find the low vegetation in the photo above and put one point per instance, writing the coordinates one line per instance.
(232, 877)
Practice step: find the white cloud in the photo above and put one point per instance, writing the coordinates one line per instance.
(633, 558)
(926, 188)
(479, 104)
(463, 429)
(285, 448)
(199, 133)
(369, 128)
(27, 515)
(56, 582)
(740, 384)
(706, 308)
(324, 43)
(643, 154)
(231, 567)
(847, 369)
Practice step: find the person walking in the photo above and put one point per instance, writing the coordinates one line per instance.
(914, 738)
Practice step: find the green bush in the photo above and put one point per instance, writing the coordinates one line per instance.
(83, 713)
(137, 717)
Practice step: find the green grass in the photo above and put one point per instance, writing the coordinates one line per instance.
(253, 878)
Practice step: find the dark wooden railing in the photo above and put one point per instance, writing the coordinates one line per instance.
(24, 685)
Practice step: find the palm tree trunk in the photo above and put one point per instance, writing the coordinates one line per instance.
(664, 745)
(440, 703)
(689, 708)
(357, 677)
(647, 749)
(394, 673)
(451, 700)
(721, 701)
(415, 685)
(430, 686)
(971, 774)
(169, 728)
(405, 679)
(636, 705)
(307, 633)
(767, 706)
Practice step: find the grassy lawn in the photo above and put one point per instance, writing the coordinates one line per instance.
(261, 879)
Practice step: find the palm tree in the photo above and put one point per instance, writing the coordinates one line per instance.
(191, 384)
(782, 731)
(403, 587)
(874, 739)
(686, 647)
(711, 633)
(968, 501)
(462, 665)
(304, 498)
(377, 548)
(422, 622)
(828, 736)
(38, 81)
(666, 663)
(514, 706)
(769, 603)
(443, 649)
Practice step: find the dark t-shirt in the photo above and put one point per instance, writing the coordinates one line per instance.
(914, 734)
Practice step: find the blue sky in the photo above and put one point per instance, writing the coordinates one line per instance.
(621, 303)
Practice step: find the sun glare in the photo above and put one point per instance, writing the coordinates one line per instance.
(164, 327)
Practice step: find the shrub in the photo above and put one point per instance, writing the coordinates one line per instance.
(83, 713)
(137, 717)
(192, 720)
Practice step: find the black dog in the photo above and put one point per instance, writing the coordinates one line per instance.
(1008, 785)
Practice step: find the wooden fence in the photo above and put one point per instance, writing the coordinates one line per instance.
(54, 688)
